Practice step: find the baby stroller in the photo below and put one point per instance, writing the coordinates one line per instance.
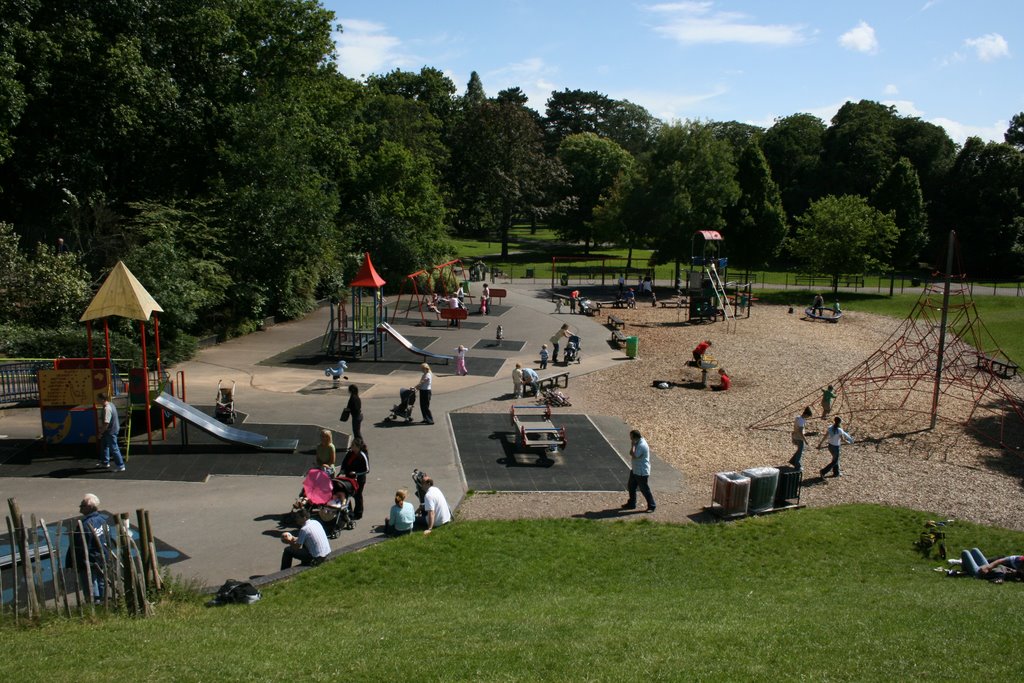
(572, 350)
(407, 399)
(328, 500)
(225, 410)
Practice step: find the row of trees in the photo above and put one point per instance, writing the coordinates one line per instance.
(215, 148)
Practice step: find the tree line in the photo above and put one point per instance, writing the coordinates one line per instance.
(216, 149)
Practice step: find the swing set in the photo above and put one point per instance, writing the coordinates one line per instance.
(443, 279)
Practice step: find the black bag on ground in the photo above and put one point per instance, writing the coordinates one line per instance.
(236, 592)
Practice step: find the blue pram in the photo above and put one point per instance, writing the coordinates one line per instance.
(573, 351)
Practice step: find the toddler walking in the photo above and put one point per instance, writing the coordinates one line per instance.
(543, 356)
(460, 360)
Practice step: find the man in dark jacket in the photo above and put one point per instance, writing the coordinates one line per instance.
(90, 547)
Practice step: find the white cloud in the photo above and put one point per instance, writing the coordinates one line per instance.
(670, 106)
(904, 107)
(532, 75)
(989, 46)
(364, 48)
(891, 89)
(961, 131)
(691, 23)
(860, 38)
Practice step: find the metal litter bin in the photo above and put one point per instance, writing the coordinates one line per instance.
(788, 492)
(632, 347)
(730, 494)
(763, 483)
(529, 274)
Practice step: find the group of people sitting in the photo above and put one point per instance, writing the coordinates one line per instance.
(699, 351)
(345, 492)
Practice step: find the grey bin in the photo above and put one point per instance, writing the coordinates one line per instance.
(763, 483)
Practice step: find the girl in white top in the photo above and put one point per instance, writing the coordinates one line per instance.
(835, 436)
(460, 360)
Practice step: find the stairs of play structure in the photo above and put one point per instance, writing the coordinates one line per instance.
(716, 284)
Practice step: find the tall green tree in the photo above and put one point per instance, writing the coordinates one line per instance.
(985, 205)
(500, 169)
(570, 112)
(624, 216)
(859, 147)
(592, 164)
(793, 148)
(1014, 135)
(899, 194)
(843, 235)
(757, 223)
(692, 184)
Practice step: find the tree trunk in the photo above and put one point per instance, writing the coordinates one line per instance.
(835, 285)
(506, 226)
(629, 258)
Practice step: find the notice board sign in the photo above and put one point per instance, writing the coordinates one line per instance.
(79, 387)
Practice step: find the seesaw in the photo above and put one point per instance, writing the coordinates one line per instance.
(539, 432)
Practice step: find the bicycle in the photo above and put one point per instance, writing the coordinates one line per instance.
(934, 534)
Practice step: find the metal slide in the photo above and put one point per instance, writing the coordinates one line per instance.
(397, 336)
(220, 430)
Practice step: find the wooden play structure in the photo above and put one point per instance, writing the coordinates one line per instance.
(418, 288)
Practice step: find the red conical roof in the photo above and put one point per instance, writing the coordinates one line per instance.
(367, 275)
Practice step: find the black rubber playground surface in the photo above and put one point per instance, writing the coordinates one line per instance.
(170, 461)
(492, 463)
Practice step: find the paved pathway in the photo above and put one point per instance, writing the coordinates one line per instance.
(226, 525)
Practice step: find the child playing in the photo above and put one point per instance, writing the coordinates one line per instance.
(460, 360)
(543, 356)
(517, 381)
(827, 397)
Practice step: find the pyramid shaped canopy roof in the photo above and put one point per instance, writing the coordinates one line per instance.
(367, 275)
(122, 295)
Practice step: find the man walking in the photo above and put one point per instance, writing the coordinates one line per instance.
(108, 436)
(89, 551)
(640, 472)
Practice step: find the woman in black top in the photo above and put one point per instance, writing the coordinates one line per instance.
(355, 411)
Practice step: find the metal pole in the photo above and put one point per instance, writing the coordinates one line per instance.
(942, 331)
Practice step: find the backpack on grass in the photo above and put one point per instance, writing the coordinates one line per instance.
(236, 592)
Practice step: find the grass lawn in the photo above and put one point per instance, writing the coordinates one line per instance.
(833, 594)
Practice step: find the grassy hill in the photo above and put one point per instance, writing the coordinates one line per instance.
(833, 594)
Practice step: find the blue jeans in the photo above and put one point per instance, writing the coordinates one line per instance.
(797, 459)
(99, 584)
(554, 353)
(972, 561)
(110, 448)
(638, 481)
(834, 465)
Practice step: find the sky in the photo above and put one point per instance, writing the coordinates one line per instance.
(956, 63)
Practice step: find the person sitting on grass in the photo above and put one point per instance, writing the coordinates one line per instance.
(724, 381)
(402, 515)
(310, 547)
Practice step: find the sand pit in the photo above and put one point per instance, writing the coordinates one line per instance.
(774, 358)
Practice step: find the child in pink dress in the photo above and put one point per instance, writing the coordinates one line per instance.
(460, 360)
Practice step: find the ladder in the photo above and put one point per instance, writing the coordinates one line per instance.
(716, 284)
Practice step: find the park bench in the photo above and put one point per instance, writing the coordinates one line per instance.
(456, 314)
(1004, 367)
(560, 379)
(615, 322)
(680, 302)
(618, 338)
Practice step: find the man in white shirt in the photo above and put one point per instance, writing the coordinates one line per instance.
(435, 507)
(310, 547)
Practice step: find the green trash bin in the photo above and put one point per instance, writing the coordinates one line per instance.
(632, 347)
(564, 279)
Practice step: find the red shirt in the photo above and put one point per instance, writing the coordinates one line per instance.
(726, 382)
(701, 348)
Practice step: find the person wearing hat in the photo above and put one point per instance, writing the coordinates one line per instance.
(835, 435)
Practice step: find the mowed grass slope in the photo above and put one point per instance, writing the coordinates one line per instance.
(833, 594)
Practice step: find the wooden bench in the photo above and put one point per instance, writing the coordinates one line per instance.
(498, 294)
(615, 323)
(456, 314)
(618, 338)
(674, 303)
(560, 379)
(997, 366)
